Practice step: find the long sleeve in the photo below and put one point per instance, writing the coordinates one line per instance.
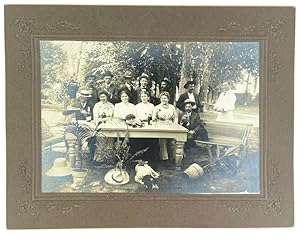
(180, 102)
(175, 115)
(155, 112)
(117, 111)
(96, 113)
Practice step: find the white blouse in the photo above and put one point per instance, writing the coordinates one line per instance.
(102, 109)
(143, 110)
(122, 110)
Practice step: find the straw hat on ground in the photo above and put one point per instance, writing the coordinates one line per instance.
(59, 168)
(116, 177)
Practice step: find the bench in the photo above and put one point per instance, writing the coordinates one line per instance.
(225, 138)
(50, 143)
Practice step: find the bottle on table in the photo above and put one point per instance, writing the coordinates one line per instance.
(149, 119)
(89, 115)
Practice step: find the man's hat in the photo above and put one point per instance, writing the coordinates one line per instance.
(116, 177)
(107, 73)
(188, 83)
(166, 80)
(90, 77)
(59, 168)
(144, 75)
(85, 93)
(186, 101)
(128, 75)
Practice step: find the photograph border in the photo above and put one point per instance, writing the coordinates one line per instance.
(26, 25)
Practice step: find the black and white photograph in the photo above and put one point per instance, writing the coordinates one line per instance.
(150, 116)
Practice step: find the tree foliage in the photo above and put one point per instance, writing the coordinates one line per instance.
(52, 63)
(208, 63)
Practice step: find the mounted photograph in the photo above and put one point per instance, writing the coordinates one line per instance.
(138, 116)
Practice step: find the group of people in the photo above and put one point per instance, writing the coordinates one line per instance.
(102, 98)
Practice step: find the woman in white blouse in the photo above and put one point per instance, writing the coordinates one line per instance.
(165, 113)
(103, 109)
(124, 108)
(144, 108)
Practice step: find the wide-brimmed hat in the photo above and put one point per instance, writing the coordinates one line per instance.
(85, 93)
(116, 177)
(90, 77)
(188, 83)
(166, 80)
(186, 101)
(107, 73)
(59, 168)
(128, 75)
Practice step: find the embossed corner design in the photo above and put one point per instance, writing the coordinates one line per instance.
(272, 206)
(271, 27)
(36, 208)
(25, 27)
(28, 207)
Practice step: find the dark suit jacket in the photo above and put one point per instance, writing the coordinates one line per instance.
(172, 93)
(183, 97)
(89, 103)
(132, 94)
(194, 124)
(113, 92)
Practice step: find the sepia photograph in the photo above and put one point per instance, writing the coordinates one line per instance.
(150, 116)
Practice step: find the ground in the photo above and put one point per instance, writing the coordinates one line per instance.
(227, 177)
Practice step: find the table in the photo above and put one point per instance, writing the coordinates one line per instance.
(114, 127)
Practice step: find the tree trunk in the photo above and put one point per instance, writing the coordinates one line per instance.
(256, 83)
(207, 69)
(186, 71)
(247, 83)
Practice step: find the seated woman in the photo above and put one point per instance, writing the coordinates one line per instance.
(103, 109)
(144, 108)
(124, 108)
(165, 113)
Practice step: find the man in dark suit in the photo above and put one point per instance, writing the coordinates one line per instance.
(128, 87)
(165, 85)
(110, 87)
(191, 121)
(189, 94)
(90, 85)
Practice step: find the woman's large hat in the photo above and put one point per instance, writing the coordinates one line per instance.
(59, 168)
(116, 177)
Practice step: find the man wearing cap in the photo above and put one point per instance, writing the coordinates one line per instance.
(191, 121)
(90, 81)
(109, 87)
(132, 93)
(143, 86)
(189, 94)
